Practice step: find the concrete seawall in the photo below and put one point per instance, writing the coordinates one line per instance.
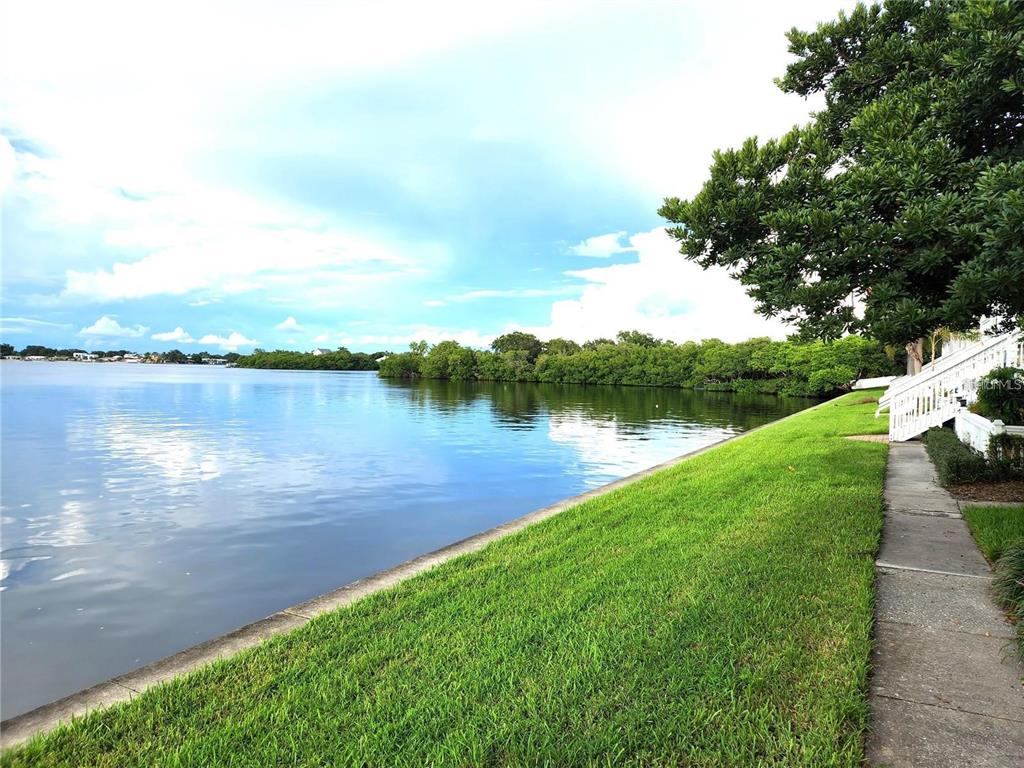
(20, 728)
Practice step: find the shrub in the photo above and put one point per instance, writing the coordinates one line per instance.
(745, 386)
(1006, 453)
(1001, 395)
(449, 360)
(834, 379)
(405, 365)
(954, 461)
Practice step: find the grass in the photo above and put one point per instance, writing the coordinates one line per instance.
(994, 528)
(716, 613)
(999, 532)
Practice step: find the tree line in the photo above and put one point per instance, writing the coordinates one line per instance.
(340, 359)
(634, 358)
(171, 356)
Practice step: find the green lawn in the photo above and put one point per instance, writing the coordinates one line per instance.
(995, 527)
(716, 613)
(999, 532)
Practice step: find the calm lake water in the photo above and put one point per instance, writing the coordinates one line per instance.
(147, 507)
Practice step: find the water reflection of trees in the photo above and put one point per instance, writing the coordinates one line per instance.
(522, 405)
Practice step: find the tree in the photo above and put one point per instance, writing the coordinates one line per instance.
(638, 338)
(561, 347)
(339, 360)
(519, 341)
(900, 207)
(6, 349)
(756, 365)
(36, 350)
(175, 356)
(404, 365)
(449, 360)
(719, 361)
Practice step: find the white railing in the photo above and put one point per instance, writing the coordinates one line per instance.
(948, 359)
(933, 396)
(977, 431)
(873, 382)
(883, 401)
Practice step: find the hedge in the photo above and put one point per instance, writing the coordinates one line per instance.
(954, 461)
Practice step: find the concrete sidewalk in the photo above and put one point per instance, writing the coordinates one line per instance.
(946, 687)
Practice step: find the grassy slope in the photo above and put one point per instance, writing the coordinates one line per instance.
(995, 527)
(715, 613)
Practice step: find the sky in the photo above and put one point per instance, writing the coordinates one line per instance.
(220, 176)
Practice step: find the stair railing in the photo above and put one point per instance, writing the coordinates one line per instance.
(932, 397)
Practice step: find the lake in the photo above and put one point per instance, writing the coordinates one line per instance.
(147, 508)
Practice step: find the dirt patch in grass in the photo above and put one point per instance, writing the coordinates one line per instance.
(869, 438)
(1008, 490)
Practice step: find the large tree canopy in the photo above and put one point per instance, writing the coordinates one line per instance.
(519, 341)
(900, 207)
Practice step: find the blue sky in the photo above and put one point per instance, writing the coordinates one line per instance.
(223, 175)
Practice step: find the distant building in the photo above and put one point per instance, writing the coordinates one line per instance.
(131, 357)
(321, 351)
(214, 360)
(86, 356)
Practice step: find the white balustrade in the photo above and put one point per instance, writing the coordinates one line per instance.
(977, 431)
(933, 396)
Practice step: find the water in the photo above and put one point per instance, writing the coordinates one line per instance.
(147, 508)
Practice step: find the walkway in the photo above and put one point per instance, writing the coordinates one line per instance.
(946, 686)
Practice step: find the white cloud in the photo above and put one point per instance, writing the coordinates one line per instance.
(162, 105)
(660, 137)
(8, 163)
(430, 334)
(141, 177)
(179, 334)
(288, 324)
(27, 325)
(502, 293)
(108, 327)
(230, 257)
(510, 293)
(185, 237)
(333, 40)
(229, 343)
(660, 293)
(322, 338)
(601, 246)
